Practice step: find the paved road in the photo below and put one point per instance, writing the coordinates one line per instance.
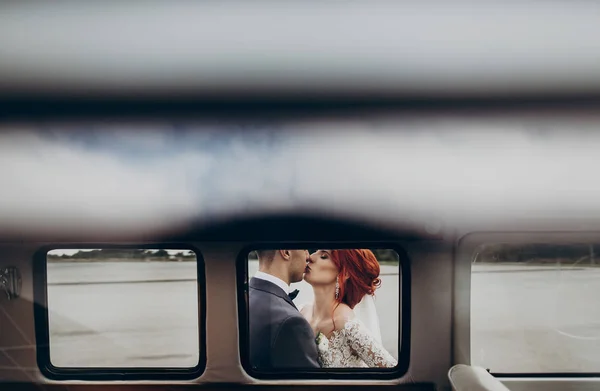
(145, 314)
(523, 318)
(535, 319)
(135, 323)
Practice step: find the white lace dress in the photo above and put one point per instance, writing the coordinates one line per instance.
(352, 347)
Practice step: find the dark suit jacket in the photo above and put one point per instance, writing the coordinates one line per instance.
(280, 337)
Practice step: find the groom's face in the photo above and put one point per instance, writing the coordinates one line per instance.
(298, 259)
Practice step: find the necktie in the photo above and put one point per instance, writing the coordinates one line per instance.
(293, 294)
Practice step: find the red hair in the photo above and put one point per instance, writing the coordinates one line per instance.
(359, 274)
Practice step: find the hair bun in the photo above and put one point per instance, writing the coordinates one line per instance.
(362, 270)
(375, 285)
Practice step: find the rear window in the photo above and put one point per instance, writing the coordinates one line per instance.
(133, 308)
(534, 308)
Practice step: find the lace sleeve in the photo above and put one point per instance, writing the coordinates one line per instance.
(366, 347)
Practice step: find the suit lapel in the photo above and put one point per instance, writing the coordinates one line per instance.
(269, 287)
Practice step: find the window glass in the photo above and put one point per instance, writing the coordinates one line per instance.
(323, 309)
(123, 307)
(534, 308)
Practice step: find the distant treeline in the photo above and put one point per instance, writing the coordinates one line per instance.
(383, 256)
(585, 253)
(125, 255)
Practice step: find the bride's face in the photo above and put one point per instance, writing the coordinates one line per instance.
(320, 269)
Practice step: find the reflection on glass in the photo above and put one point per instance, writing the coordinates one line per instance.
(323, 308)
(123, 307)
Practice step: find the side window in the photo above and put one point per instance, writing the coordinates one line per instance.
(120, 309)
(534, 308)
(324, 312)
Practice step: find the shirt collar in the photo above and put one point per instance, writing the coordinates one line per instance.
(275, 280)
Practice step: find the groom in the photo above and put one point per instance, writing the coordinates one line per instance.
(280, 337)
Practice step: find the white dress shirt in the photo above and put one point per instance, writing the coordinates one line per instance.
(275, 280)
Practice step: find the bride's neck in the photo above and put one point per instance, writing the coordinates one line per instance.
(324, 301)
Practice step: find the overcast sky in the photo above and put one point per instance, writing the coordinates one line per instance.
(451, 169)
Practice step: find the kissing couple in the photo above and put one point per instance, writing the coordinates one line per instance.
(339, 329)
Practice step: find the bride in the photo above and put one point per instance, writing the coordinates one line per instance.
(341, 280)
